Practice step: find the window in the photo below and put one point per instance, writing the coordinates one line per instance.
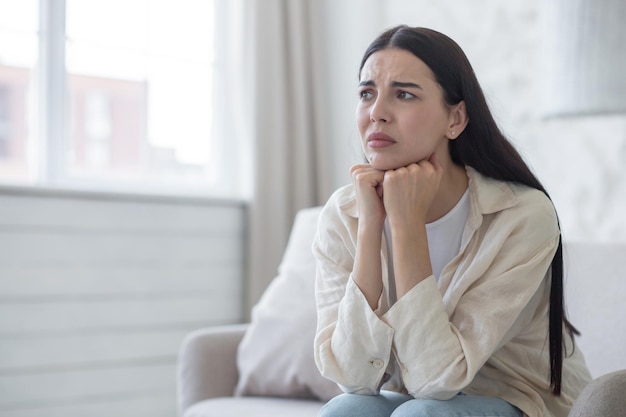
(18, 57)
(110, 94)
(4, 123)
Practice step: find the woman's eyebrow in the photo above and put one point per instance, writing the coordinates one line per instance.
(399, 84)
(395, 84)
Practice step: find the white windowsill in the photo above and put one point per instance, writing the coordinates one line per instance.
(134, 195)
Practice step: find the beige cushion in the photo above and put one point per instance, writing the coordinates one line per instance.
(594, 285)
(275, 357)
(603, 397)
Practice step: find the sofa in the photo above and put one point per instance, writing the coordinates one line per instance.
(265, 368)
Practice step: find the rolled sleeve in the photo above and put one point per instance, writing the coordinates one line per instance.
(352, 345)
(360, 344)
(428, 342)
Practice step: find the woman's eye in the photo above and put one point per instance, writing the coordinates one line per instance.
(365, 94)
(405, 95)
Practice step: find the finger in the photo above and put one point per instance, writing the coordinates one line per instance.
(358, 167)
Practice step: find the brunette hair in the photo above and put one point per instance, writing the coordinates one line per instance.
(481, 146)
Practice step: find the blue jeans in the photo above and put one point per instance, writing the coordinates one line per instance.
(394, 404)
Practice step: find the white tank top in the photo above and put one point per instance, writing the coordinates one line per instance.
(445, 234)
(444, 240)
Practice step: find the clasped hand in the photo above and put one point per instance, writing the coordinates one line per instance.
(403, 195)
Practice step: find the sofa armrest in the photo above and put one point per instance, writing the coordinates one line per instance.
(207, 364)
(603, 397)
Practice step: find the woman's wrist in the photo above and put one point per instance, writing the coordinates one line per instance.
(370, 228)
(367, 273)
(411, 257)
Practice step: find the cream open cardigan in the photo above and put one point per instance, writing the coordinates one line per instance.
(480, 329)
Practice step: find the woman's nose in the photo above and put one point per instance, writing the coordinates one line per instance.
(379, 112)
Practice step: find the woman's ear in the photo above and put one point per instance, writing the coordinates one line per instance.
(458, 120)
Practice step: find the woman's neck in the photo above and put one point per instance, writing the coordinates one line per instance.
(452, 187)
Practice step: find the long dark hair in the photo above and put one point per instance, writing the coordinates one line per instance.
(481, 146)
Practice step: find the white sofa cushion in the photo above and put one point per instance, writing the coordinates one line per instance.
(254, 406)
(595, 289)
(275, 357)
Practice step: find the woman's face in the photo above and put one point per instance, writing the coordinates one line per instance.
(401, 115)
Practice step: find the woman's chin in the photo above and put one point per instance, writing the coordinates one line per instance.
(387, 165)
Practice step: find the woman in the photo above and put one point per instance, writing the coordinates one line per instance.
(439, 280)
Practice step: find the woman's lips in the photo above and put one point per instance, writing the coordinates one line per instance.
(379, 140)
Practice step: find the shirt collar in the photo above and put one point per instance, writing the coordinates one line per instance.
(487, 196)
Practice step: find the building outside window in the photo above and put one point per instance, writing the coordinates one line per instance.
(111, 94)
(5, 127)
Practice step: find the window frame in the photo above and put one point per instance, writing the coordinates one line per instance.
(52, 90)
(52, 128)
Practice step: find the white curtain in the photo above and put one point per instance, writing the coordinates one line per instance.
(278, 87)
(584, 44)
(232, 99)
(289, 151)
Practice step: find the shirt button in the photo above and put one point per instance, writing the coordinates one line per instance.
(378, 363)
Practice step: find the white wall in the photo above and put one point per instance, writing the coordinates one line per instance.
(580, 160)
(97, 292)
